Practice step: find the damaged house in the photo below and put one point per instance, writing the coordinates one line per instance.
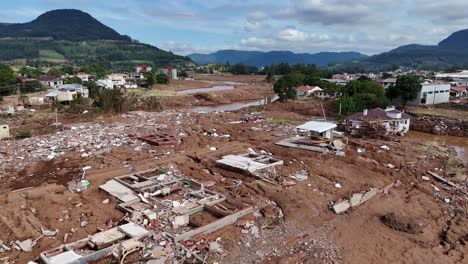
(392, 120)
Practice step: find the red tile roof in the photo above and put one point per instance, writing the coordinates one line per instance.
(377, 114)
(459, 88)
(304, 88)
(47, 78)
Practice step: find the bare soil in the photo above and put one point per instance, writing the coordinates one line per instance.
(309, 233)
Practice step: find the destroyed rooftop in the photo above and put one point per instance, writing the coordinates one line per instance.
(377, 114)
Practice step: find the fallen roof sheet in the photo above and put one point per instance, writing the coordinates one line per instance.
(119, 191)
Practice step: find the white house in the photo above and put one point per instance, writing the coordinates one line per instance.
(50, 81)
(60, 95)
(143, 68)
(108, 84)
(84, 76)
(119, 79)
(386, 83)
(393, 120)
(458, 91)
(317, 128)
(79, 89)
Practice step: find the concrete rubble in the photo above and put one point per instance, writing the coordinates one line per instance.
(357, 199)
(89, 139)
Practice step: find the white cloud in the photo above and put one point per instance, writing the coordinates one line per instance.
(291, 34)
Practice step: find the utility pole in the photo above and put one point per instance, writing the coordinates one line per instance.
(323, 111)
(56, 118)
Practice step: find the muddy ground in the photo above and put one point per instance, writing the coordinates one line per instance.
(309, 232)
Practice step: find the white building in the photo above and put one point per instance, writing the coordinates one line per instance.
(61, 96)
(174, 74)
(454, 75)
(50, 81)
(84, 76)
(107, 84)
(143, 68)
(386, 83)
(119, 79)
(79, 89)
(432, 93)
(317, 128)
(393, 120)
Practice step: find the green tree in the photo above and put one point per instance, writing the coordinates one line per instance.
(7, 76)
(55, 72)
(68, 69)
(347, 105)
(151, 78)
(392, 92)
(30, 72)
(270, 77)
(73, 80)
(162, 78)
(408, 86)
(93, 89)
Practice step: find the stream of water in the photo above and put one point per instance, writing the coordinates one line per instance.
(460, 144)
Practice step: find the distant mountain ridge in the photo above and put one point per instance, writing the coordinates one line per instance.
(70, 35)
(452, 51)
(259, 58)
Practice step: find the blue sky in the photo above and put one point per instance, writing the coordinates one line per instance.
(187, 26)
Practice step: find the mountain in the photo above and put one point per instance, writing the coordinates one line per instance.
(452, 51)
(65, 24)
(458, 40)
(70, 35)
(258, 58)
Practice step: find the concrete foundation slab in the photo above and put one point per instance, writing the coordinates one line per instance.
(247, 163)
(106, 238)
(133, 230)
(66, 257)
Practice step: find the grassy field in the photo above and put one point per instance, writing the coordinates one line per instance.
(448, 113)
(50, 54)
(153, 92)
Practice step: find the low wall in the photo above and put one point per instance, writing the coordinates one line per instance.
(439, 125)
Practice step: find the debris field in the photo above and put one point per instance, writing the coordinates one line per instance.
(184, 187)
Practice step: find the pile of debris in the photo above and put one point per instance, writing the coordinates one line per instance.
(89, 139)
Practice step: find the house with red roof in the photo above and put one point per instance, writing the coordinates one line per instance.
(458, 91)
(51, 81)
(394, 121)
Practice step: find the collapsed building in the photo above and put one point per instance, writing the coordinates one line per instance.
(162, 209)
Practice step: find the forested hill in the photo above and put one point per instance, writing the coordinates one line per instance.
(73, 36)
(64, 24)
